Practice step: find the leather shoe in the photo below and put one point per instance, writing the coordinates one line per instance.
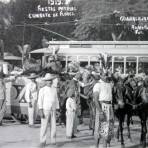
(73, 136)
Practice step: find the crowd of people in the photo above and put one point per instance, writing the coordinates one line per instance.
(45, 101)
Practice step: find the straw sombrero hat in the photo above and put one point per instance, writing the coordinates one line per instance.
(49, 77)
(32, 76)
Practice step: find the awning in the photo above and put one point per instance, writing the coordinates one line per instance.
(42, 50)
(12, 57)
(68, 51)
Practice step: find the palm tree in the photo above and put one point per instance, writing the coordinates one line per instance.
(24, 51)
(5, 22)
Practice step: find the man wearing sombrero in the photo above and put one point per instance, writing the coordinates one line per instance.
(47, 103)
(31, 98)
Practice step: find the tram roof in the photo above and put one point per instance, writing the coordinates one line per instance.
(99, 42)
(126, 49)
(68, 51)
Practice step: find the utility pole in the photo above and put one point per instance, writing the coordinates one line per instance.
(2, 49)
(23, 41)
(1, 42)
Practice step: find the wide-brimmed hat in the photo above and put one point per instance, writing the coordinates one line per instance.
(32, 76)
(51, 58)
(49, 77)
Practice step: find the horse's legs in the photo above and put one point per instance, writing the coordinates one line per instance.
(121, 132)
(97, 140)
(93, 117)
(143, 133)
(104, 143)
(118, 131)
(128, 126)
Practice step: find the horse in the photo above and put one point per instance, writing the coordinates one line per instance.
(139, 103)
(140, 108)
(121, 108)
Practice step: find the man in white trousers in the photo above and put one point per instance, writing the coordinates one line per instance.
(31, 95)
(70, 117)
(48, 103)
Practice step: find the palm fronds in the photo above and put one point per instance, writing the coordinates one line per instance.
(105, 59)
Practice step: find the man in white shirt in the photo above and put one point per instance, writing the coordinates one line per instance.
(48, 103)
(104, 121)
(31, 98)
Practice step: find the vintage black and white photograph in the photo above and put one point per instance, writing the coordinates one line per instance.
(73, 73)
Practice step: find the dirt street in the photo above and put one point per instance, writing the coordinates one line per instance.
(15, 135)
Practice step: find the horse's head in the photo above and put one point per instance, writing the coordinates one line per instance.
(131, 82)
(118, 95)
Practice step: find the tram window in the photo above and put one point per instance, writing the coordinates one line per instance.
(72, 58)
(143, 65)
(63, 63)
(131, 65)
(119, 66)
(119, 59)
(94, 63)
(83, 64)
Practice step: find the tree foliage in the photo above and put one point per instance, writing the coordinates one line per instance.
(99, 19)
(17, 29)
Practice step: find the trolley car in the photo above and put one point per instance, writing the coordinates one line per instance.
(126, 55)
